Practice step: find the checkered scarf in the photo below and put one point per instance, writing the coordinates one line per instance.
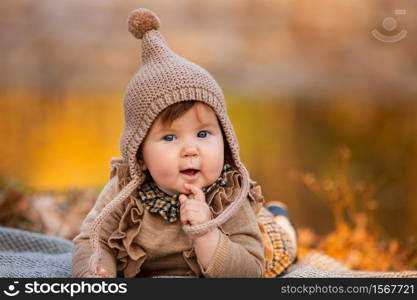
(157, 201)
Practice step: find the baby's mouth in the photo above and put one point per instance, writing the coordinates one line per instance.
(189, 172)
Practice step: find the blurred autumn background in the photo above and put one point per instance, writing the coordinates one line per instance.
(326, 115)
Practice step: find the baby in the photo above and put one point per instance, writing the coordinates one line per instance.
(180, 202)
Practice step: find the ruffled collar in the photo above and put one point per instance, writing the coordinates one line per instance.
(155, 200)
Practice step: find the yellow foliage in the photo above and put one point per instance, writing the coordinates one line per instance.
(356, 240)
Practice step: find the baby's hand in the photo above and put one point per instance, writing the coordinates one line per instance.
(194, 209)
(102, 273)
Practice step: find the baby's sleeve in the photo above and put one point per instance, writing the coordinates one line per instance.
(82, 251)
(239, 252)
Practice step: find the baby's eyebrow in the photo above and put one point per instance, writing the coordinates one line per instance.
(159, 131)
(207, 124)
(162, 128)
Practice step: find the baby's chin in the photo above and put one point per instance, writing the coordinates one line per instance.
(185, 191)
(175, 190)
(179, 188)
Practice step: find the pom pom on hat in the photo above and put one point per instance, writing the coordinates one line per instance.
(142, 20)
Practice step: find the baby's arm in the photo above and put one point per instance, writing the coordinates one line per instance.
(234, 251)
(82, 246)
(194, 211)
(205, 247)
(239, 251)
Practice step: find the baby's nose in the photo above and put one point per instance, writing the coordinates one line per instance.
(190, 151)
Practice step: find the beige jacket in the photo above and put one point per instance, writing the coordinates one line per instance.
(138, 243)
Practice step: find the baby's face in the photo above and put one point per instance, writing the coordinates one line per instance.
(190, 150)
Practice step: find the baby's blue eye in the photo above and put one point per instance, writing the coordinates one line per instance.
(169, 138)
(202, 133)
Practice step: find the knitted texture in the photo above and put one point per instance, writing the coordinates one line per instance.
(33, 255)
(165, 78)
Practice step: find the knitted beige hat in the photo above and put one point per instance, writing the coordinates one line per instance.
(165, 78)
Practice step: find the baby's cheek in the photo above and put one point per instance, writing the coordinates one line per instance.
(165, 170)
(214, 169)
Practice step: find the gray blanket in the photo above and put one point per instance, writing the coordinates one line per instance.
(29, 254)
(33, 255)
